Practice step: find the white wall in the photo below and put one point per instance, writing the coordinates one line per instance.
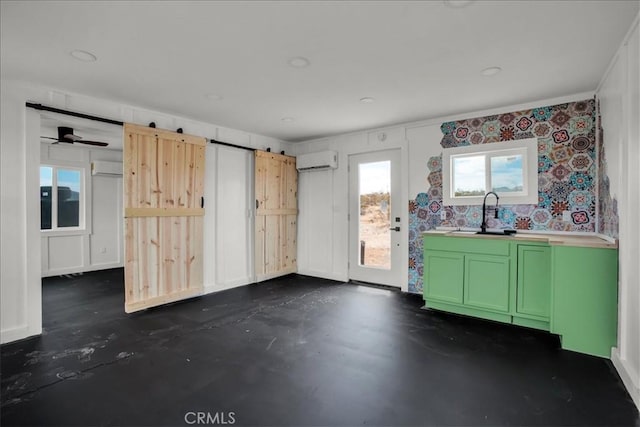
(323, 200)
(20, 263)
(619, 95)
(100, 245)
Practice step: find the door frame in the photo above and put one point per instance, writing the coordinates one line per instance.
(401, 201)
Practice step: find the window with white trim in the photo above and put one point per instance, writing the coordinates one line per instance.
(62, 197)
(508, 168)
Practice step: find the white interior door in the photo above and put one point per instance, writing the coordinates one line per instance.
(375, 218)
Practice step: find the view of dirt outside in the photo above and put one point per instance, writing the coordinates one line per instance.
(374, 229)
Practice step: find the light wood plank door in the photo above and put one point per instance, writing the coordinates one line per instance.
(164, 188)
(276, 190)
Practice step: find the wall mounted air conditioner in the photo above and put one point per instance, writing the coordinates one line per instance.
(103, 168)
(317, 161)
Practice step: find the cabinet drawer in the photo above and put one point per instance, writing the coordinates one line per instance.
(476, 245)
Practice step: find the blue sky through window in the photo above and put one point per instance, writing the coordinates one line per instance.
(507, 174)
(66, 178)
(469, 175)
(375, 177)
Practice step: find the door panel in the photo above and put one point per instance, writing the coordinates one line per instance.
(375, 228)
(233, 227)
(164, 184)
(276, 189)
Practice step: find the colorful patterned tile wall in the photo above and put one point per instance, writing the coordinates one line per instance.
(566, 175)
(608, 206)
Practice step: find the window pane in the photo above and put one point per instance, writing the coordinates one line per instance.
(46, 178)
(68, 198)
(507, 175)
(468, 176)
(374, 222)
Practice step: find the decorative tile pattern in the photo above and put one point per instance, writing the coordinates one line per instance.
(608, 221)
(566, 177)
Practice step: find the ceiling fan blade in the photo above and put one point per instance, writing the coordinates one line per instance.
(71, 137)
(96, 143)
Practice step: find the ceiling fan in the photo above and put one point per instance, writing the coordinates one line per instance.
(65, 134)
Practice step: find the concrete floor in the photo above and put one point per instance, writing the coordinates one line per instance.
(293, 351)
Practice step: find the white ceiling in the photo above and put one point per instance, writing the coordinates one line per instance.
(419, 60)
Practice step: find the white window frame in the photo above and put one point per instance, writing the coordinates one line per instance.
(82, 227)
(527, 147)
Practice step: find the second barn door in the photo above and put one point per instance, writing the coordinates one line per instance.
(276, 188)
(164, 209)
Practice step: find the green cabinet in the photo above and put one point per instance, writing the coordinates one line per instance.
(468, 276)
(570, 291)
(534, 281)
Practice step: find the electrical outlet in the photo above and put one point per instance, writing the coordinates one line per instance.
(103, 250)
(566, 216)
(443, 214)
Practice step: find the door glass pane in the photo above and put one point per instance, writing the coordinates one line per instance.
(68, 198)
(468, 178)
(507, 174)
(46, 179)
(375, 210)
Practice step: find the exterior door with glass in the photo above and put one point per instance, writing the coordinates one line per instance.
(375, 218)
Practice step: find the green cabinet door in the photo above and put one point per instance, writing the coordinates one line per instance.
(534, 281)
(486, 282)
(585, 298)
(443, 276)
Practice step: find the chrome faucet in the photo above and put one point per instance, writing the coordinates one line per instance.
(483, 227)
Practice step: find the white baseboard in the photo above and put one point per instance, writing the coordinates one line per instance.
(14, 334)
(81, 269)
(628, 375)
(324, 275)
(209, 289)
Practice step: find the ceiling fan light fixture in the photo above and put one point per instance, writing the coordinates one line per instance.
(66, 135)
(83, 55)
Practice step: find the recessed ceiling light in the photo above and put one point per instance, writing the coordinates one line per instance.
(288, 119)
(457, 4)
(299, 62)
(214, 97)
(491, 71)
(367, 100)
(83, 55)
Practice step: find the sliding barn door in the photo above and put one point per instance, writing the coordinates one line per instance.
(164, 187)
(276, 214)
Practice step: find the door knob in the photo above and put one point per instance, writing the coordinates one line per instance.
(395, 228)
